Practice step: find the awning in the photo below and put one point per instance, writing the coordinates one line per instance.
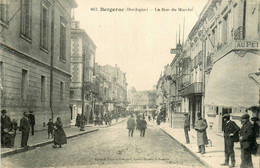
(229, 85)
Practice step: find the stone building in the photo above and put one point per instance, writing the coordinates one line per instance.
(217, 69)
(82, 86)
(35, 59)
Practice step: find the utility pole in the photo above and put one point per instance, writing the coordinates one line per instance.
(82, 125)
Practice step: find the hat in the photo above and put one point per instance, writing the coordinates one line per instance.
(4, 111)
(245, 116)
(255, 119)
(226, 116)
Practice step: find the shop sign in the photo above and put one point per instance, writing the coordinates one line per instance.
(247, 44)
(175, 51)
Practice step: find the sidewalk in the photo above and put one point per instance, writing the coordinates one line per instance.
(40, 138)
(214, 154)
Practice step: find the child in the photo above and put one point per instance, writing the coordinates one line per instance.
(50, 128)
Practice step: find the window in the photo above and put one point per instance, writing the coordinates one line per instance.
(63, 40)
(44, 27)
(61, 91)
(71, 94)
(4, 5)
(26, 19)
(259, 20)
(24, 84)
(43, 82)
(1, 75)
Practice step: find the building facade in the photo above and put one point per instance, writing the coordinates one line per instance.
(82, 86)
(35, 59)
(217, 69)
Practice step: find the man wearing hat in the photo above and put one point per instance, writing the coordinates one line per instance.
(187, 127)
(202, 139)
(25, 128)
(32, 121)
(5, 126)
(246, 142)
(231, 131)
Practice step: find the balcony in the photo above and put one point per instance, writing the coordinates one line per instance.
(192, 89)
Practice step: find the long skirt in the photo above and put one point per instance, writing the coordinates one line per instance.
(60, 137)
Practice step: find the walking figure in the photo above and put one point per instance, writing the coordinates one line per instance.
(202, 139)
(143, 126)
(131, 125)
(59, 134)
(187, 127)
(246, 142)
(231, 131)
(50, 128)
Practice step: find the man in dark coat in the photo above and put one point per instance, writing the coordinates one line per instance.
(5, 127)
(25, 128)
(187, 127)
(32, 121)
(143, 126)
(246, 142)
(256, 134)
(231, 131)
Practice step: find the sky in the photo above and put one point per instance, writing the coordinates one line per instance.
(139, 42)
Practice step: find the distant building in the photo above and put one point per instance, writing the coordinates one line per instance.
(142, 101)
(35, 59)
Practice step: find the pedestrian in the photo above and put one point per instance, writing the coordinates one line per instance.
(131, 125)
(95, 119)
(78, 118)
(202, 139)
(187, 127)
(158, 119)
(231, 135)
(32, 121)
(50, 128)
(246, 142)
(143, 126)
(5, 128)
(256, 134)
(149, 118)
(59, 134)
(138, 122)
(25, 128)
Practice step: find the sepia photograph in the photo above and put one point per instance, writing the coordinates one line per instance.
(130, 83)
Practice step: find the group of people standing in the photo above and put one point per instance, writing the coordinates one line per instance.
(139, 123)
(27, 123)
(9, 128)
(246, 135)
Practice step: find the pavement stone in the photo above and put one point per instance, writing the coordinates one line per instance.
(40, 138)
(214, 153)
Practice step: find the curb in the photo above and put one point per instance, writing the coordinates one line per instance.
(20, 150)
(187, 149)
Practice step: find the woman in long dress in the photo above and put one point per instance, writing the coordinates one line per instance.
(59, 134)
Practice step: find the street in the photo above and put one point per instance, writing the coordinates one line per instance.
(109, 146)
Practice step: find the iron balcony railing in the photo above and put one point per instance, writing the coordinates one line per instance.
(194, 88)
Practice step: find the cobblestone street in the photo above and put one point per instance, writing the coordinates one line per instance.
(109, 147)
